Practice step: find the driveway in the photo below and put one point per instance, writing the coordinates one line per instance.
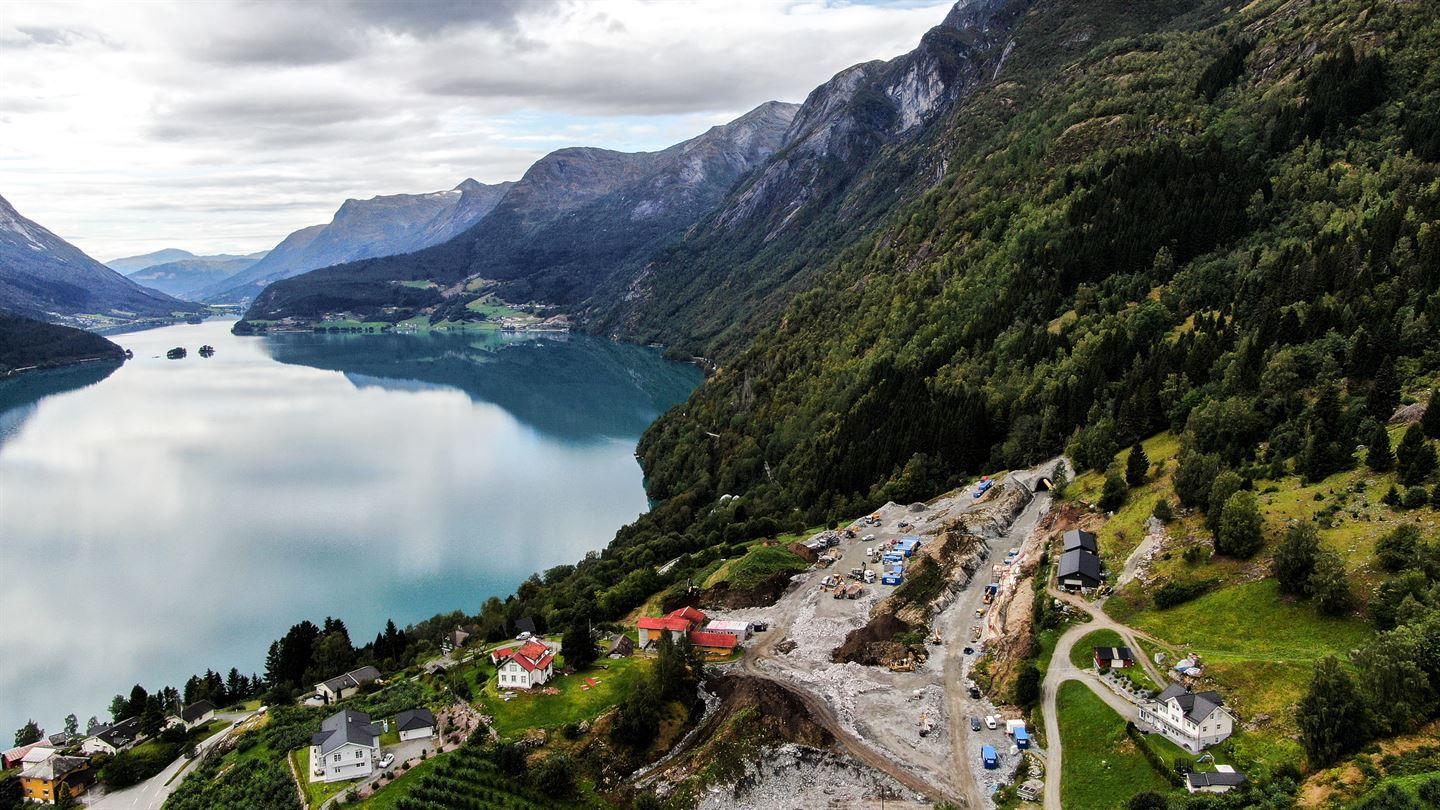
(1061, 670)
(406, 751)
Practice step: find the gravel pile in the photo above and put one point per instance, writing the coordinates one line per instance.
(795, 776)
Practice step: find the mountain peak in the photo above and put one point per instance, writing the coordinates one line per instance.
(469, 184)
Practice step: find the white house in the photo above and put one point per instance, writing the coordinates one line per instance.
(1191, 720)
(415, 724)
(343, 686)
(530, 664)
(346, 747)
(1222, 780)
(112, 739)
(196, 714)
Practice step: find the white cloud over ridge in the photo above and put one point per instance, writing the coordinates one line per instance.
(223, 126)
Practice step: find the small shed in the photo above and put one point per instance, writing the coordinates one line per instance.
(1114, 657)
(415, 724)
(738, 629)
(1079, 569)
(621, 647)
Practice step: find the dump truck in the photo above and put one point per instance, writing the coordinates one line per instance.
(854, 591)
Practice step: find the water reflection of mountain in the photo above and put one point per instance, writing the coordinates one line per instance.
(20, 396)
(575, 387)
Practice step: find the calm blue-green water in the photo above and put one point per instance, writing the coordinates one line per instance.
(169, 516)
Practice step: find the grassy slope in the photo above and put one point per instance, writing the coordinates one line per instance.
(534, 709)
(1259, 647)
(1102, 767)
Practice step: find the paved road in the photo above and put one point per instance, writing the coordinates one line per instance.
(154, 791)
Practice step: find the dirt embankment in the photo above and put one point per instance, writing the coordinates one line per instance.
(750, 716)
(942, 567)
(723, 597)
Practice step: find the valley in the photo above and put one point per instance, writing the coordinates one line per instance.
(1067, 437)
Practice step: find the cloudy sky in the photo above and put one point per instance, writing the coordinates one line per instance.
(223, 125)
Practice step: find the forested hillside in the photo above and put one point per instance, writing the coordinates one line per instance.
(1205, 228)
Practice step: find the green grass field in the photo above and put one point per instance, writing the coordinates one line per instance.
(758, 564)
(533, 709)
(492, 307)
(1102, 768)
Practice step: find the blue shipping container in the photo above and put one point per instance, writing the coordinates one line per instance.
(988, 757)
(1022, 739)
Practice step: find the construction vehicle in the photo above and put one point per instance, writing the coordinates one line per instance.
(907, 664)
(869, 578)
(854, 591)
(936, 639)
(926, 724)
(839, 592)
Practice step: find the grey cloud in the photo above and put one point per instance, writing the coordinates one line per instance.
(41, 35)
(441, 15)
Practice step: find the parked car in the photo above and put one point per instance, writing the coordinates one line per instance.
(974, 693)
(990, 722)
(525, 636)
(974, 724)
(387, 760)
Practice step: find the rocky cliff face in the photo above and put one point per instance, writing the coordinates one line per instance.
(361, 229)
(579, 219)
(44, 277)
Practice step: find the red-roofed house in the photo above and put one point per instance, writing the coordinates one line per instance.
(677, 622)
(714, 643)
(530, 664)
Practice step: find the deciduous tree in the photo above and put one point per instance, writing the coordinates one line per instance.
(1241, 529)
(1294, 561)
(1332, 715)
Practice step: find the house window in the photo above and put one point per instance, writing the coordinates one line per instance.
(336, 759)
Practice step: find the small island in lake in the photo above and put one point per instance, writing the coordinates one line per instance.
(27, 344)
(207, 350)
(176, 353)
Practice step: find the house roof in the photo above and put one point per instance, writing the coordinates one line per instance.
(1079, 563)
(54, 768)
(37, 753)
(1112, 653)
(60, 738)
(353, 678)
(700, 638)
(1196, 705)
(1215, 778)
(724, 626)
(663, 623)
(531, 655)
(18, 752)
(1076, 538)
(344, 727)
(411, 719)
(621, 643)
(689, 614)
(121, 734)
(196, 710)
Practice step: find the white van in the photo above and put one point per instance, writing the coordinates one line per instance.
(990, 722)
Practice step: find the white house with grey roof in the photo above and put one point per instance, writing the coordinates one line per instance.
(1192, 720)
(343, 686)
(346, 747)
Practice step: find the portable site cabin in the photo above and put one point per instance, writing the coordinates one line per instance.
(988, 757)
(893, 557)
(1022, 738)
(907, 545)
(1011, 726)
(891, 579)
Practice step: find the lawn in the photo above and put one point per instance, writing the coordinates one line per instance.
(209, 730)
(1082, 655)
(1102, 767)
(315, 792)
(490, 307)
(534, 709)
(1124, 531)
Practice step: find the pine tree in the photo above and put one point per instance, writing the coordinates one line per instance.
(1115, 492)
(1430, 420)
(1241, 529)
(1378, 455)
(577, 646)
(1415, 457)
(1295, 559)
(1332, 716)
(1330, 585)
(1137, 467)
(1385, 392)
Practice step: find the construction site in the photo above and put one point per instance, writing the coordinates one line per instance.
(877, 640)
